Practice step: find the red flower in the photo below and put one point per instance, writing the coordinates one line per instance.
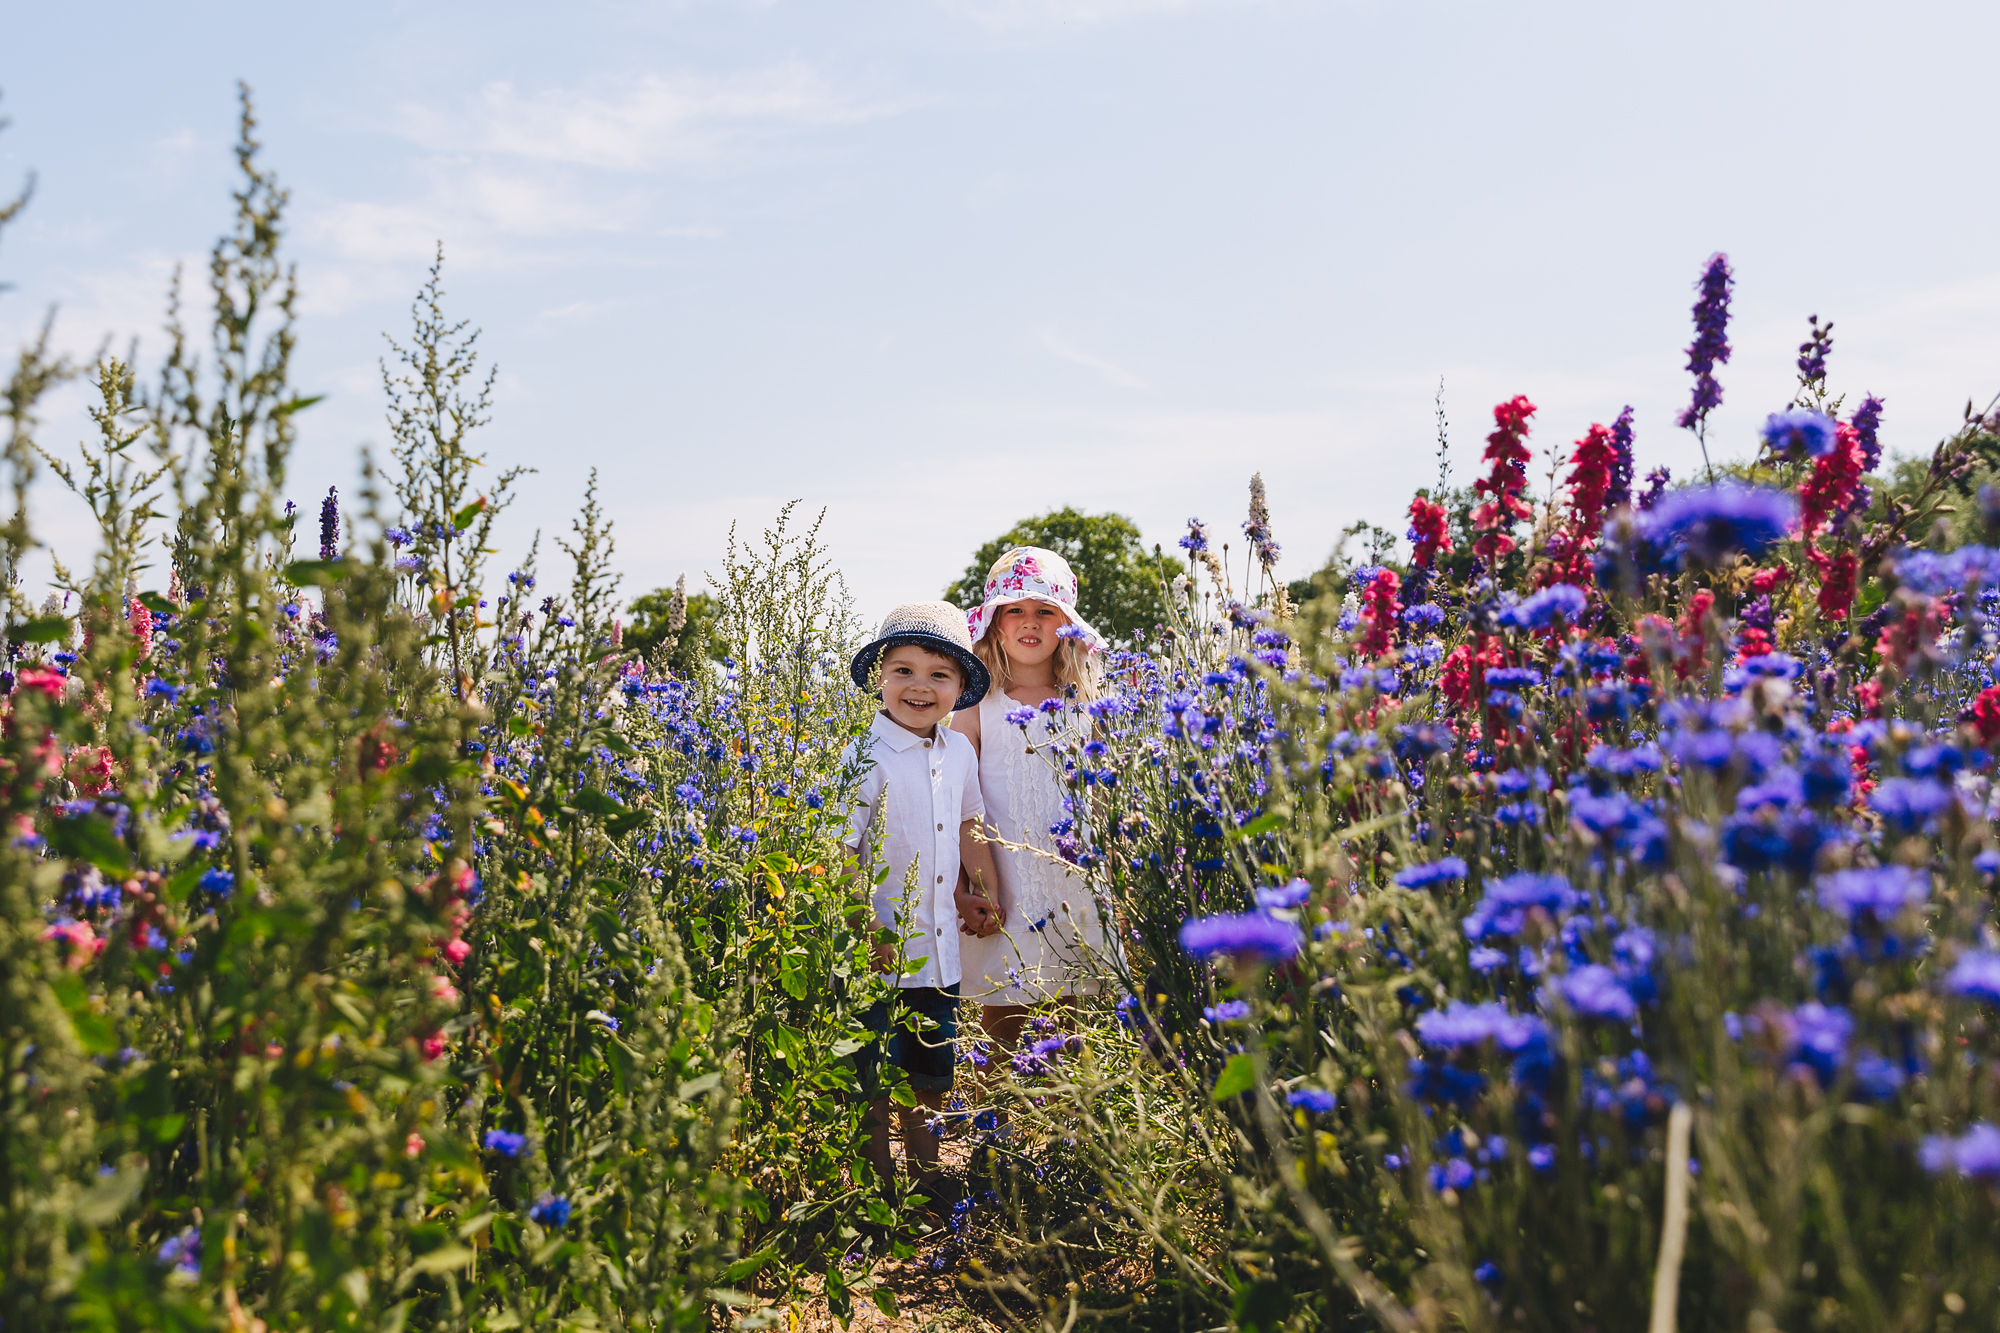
(1589, 482)
(1379, 609)
(1770, 580)
(1430, 531)
(1508, 459)
(1830, 485)
(1986, 714)
(1753, 642)
(1836, 581)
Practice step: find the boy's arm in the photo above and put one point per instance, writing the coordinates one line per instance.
(978, 909)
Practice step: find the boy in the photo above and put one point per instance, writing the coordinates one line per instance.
(923, 785)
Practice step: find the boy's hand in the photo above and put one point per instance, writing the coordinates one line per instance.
(884, 955)
(977, 915)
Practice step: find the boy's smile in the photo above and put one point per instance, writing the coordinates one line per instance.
(919, 687)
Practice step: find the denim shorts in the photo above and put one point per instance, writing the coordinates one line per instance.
(925, 1053)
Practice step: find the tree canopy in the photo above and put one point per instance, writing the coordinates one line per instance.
(652, 614)
(1118, 578)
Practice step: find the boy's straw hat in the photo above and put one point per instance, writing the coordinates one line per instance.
(1031, 574)
(937, 626)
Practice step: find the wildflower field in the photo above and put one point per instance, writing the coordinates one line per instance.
(1583, 921)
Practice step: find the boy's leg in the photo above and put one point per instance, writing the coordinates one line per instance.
(920, 1145)
(1003, 1024)
(878, 1121)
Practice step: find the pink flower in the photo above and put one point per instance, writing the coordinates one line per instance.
(434, 1045)
(83, 943)
(443, 991)
(457, 951)
(413, 1146)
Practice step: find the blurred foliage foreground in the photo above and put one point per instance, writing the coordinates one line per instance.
(1584, 924)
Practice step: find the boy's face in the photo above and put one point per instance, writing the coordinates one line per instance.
(918, 686)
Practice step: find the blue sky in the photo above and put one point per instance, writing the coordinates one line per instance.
(935, 265)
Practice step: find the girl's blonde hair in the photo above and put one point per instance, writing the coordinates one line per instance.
(1076, 673)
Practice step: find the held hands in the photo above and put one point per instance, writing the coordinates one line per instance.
(977, 915)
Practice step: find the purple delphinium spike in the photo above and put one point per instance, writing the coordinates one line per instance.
(1867, 421)
(1656, 485)
(1812, 354)
(329, 525)
(1711, 339)
(1619, 496)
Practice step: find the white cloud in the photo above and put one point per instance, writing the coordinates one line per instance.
(636, 124)
(1112, 373)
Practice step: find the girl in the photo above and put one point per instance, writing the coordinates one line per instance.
(1037, 649)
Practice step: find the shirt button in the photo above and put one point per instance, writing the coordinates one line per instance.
(940, 879)
(940, 828)
(927, 745)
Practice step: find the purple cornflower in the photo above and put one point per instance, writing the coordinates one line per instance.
(1251, 935)
(1594, 991)
(1656, 485)
(1882, 890)
(1196, 540)
(1975, 1156)
(329, 525)
(1317, 1101)
(1711, 340)
(1021, 717)
(1462, 1024)
(1976, 976)
(1708, 523)
(551, 1210)
(1619, 494)
(1867, 421)
(1293, 894)
(505, 1142)
(1800, 428)
(1433, 873)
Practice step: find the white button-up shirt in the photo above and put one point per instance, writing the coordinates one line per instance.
(926, 788)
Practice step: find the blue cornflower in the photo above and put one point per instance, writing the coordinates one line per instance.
(551, 1210)
(1564, 601)
(1706, 524)
(1595, 991)
(1881, 890)
(1292, 894)
(1976, 976)
(1909, 804)
(1317, 1101)
(1432, 873)
(1462, 1024)
(1020, 717)
(505, 1142)
(1819, 1039)
(1196, 540)
(218, 882)
(1488, 1275)
(181, 1251)
(1229, 1011)
(1424, 615)
(160, 689)
(1975, 1155)
(1246, 936)
(1800, 428)
(1504, 909)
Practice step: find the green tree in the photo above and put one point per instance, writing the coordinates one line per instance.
(653, 624)
(1118, 579)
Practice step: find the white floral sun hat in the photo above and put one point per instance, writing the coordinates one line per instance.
(1031, 574)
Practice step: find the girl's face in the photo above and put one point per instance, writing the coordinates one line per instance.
(1027, 631)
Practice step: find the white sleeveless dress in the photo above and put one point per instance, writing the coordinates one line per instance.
(1054, 925)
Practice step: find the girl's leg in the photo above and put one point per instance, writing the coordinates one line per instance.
(1003, 1024)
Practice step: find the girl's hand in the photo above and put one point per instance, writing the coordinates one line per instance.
(978, 916)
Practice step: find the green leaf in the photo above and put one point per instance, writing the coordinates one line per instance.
(1262, 824)
(166, 1128)
(1238, 1077)
(467, 1230)
(463, 518)
(748, 1266)
(594, 802)
(695, 1087)
(109, 1196)
(90, 838)
(42, 629)
(1262, 1306)
(519, 726)
(298, 404)
(885, 1301)
(315, 573)
(441, 1260)
(157, 604)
